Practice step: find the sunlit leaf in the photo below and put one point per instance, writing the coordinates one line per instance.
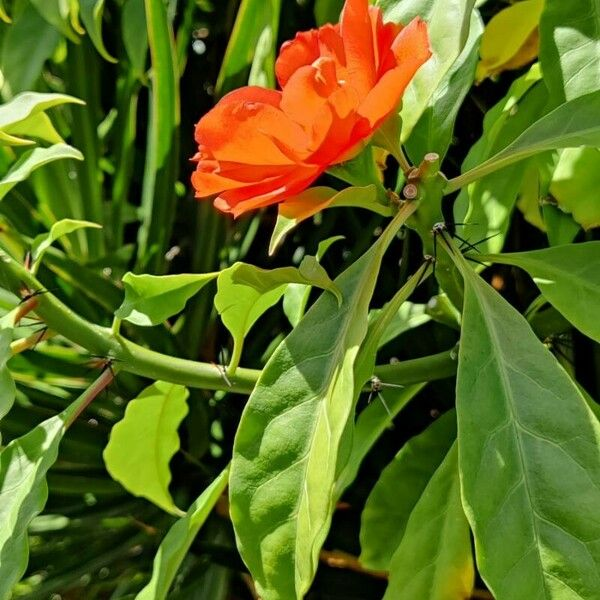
(143, 443)
(398, 490)
(434, 559)
(152, 299)
(526, 437)
(568, 277)
(178, 540)
(285, 455)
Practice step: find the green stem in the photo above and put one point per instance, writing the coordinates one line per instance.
(132, 358)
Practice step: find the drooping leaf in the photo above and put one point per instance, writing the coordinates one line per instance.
(398, 490)
(434, 559)
(58, 14)
(143, 443)
(511, 38)
(568, 278)
(528, 438)
(24, 464)
(256, 20)
(4, 13)
(21, 109)
(286, 448)
(178, 540)
(245, 293)
(575, 184)
(433, 132)
(32, 160)
(152, 299)
(575, 123)
(570, 48)
(448, 26)
(91, 14)
(63, 227)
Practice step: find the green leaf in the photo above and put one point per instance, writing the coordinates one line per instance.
(570, 48)
(296, 295)
(398, 490)
(328, 11)
(573, 124)
(448, 26)
(8, 389)
(285, 457)
(178, 540)
(567, 276)
(245, 293)
(560, 226)
(526, 437)
(58, 14)
(487, 205)
(20, 110)
(32, 160)
(91, 15)
(135, 40)
(152, 299)
(407, 317)
(26, 46)
(434, 559)
(43, 241)
(143, 443)
(434, 129)
(257, 21)
(575, 183)
(24, 464)
(4, 16)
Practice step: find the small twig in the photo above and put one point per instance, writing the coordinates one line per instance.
(340, 560)
(30, 342)
(250, 585)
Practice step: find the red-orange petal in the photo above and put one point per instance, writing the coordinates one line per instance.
(411, 49)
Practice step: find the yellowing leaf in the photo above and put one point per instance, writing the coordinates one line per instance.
(511, 39)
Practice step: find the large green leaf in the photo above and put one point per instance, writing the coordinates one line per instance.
(448, 26)
(568, 277)
(24, 464)
(143, 443)
(32, 160)
(434, 559)
(245, 292)
(22, 108)
(570, 48)
(529, 456)
(286, 449)
(574, 123)
(152, 299)
(398, 490)
(433, 131)
(178, 540)
(251, 48)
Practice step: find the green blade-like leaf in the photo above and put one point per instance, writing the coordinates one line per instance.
(8, 389)
(573, 124)
(251, 48)
(24, 464)
(178, 540)
(152, 299)
(32, 160)
(135, 41)
(570, 48)
(448, 26)
(528, 438)
(245, 292)
(63, 227)
(286, 448)
(144, 442)
(568, 277)
(434, 559)
(398, 490)
(23, 107)
(91, 16)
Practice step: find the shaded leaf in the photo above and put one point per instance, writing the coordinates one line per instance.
(58, 14)
(143, 443)
(91, 14)
(135, 40)
(8, 389)
(285, 457)
(328, 11)
(528, 438)
(434, 559)
(398, 490)
(568, 277)
(178, 540)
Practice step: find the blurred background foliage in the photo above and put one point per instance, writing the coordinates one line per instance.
(147, 72)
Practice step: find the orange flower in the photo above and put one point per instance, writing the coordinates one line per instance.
(339, 83)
